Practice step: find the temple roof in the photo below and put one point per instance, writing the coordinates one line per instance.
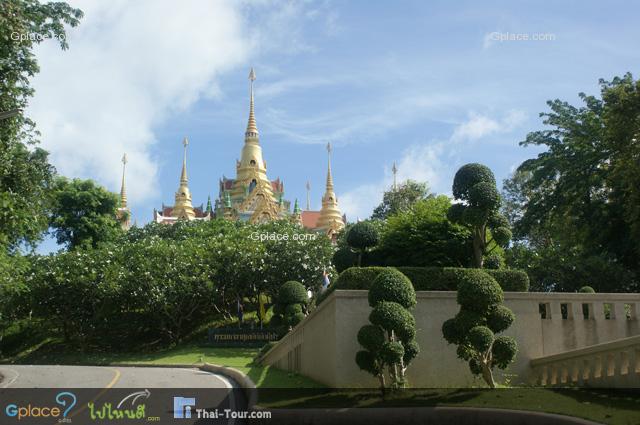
(310, 219)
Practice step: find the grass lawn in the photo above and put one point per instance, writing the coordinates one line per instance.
(51, 351)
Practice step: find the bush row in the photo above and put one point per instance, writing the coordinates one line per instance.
(428, 278)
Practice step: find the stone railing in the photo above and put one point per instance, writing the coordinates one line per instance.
(614, 364)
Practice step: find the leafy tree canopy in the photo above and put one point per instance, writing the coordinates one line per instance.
(400, 199)
(424, 236)
(83, 214)
(579, 199)
(25, 173)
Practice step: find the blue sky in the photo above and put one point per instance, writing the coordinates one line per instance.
(425, 84)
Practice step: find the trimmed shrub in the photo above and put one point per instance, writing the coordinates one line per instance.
(474, 328)
(477, 292)
(290, 307)
(371, 337)
(292, 292)
(432, 278)
(587, 290)
(427, 279)
(363, 235)
(390, 284)
(344, 258)
(511, 280)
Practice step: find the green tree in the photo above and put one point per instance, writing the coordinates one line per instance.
(475, 187)
(170, 284)
(423, 236)
(291, 306)
(361, 237)
(13, 291)
(579, 197)
(474, 328)
(389, 341)
(400, 199)
(83, 214)
(25, 173)
(74, 292)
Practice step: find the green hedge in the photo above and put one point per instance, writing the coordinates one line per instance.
(427, 279)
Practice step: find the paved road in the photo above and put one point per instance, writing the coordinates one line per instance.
(18, 376)
(113, 384)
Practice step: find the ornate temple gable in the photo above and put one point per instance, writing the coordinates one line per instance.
(256, 197)
(265, 210)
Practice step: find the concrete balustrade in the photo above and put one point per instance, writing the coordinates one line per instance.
(614, 364)
(323, 346)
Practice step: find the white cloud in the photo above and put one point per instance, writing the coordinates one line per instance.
(129, 67)
(418, 162)
(480, 126)
(353, 123)
(433, 163)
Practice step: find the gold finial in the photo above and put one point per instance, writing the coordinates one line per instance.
(308, 195)
(252, 128)
(329, 176)
(123, 189)
(394, 170)
(183, 176)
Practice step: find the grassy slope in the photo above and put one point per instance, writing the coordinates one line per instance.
(51, 352)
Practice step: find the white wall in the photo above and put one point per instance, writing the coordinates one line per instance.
(323, 346)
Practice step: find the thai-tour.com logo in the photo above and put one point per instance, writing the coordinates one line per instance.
(182, 407)
(58, 409)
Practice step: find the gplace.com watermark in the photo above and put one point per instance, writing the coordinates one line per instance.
(273, 236)
(32, 36)
(516, 36)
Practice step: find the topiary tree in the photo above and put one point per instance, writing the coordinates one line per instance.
(344, 258)
(291, 305)
(361, 237)
(475, 186)
(389, 341)
(474, 328)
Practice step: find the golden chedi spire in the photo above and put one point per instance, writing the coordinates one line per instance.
(123, 214)
(183, 207)
(330, 219)
(251, 169)
(123, 189)
(252, 127)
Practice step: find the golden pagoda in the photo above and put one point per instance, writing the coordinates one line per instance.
(253, 196)
(331, 220)
(183, 208)
(123, 214)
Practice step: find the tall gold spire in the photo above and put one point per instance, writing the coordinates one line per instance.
(251, 169)
(330, 220)
(123, 189)
(329, 176)
(183, 207)
(123, 214)
(252, 128)
(183, 176)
